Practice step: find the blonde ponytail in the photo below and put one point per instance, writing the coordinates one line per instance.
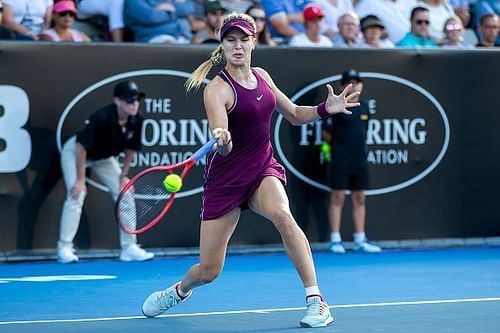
(200, 73)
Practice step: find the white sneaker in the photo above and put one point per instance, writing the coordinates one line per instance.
(317, 313)
(160, 301)
(134, 252)
(336, 247)
(367, 246)
(66, 254)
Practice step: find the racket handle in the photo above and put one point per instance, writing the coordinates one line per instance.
(204, 150)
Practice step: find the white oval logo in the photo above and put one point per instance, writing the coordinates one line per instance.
(406, 138)
(161, 130)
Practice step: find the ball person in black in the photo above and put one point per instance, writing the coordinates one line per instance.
(348, 168)
(109, 131)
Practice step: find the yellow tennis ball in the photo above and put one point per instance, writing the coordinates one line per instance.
(172, 183)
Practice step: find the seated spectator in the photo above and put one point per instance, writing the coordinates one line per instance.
(333, 9)
(489, 26)
(454, 35)
(27, 18)
(112, 9)
(157, 21)
(394, 13)
(462, 10)
(313, 24)
(5, 34)
(197, 17)
(285, 18)
(439, 12)
(213, 19)
(348, 31)
(483, 7)
(63, 17)
(372, 29)
(259, 15)
(419, 34)
(239, 6)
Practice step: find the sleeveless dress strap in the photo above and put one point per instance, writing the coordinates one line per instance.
(226, 77)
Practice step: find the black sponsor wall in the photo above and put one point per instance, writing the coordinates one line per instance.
(437, 109)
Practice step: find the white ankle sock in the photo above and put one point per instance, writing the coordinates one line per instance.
(312, 290)
(335, 237)
(180, 292)
(359, 237)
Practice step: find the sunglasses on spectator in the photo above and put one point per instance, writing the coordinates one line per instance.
(62, 14)
(453, 27)
(420, 22)
(130, 99)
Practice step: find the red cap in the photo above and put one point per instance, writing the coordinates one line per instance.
(313, 12)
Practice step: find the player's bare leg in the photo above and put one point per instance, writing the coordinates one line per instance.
(214, 237)
(270, 200)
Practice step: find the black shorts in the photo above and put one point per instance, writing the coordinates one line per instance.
(354, 181)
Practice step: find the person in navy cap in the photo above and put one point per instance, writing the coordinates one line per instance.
(109, 131)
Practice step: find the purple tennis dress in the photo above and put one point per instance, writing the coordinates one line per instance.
(232, 179)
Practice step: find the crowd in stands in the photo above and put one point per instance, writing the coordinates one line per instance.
(461, 24)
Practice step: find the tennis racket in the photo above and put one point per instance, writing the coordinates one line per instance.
(144, 200)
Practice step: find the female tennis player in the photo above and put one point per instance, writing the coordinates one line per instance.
(242, 172)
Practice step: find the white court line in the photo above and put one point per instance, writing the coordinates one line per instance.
(259, 311)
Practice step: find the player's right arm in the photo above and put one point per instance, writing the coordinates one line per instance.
(218, 98)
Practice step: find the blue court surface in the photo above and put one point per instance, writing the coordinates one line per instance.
(440, 290)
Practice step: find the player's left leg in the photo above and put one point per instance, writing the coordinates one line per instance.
(270, 200)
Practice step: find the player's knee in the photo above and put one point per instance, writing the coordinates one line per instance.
(284, 222)
(208, 275)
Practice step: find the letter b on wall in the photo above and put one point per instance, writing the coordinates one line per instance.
(15, 141)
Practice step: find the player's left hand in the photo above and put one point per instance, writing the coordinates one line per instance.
(340, 103)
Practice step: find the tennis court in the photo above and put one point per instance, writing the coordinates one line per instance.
(426, 290)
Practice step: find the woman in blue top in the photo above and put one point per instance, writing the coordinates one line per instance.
(242, 172)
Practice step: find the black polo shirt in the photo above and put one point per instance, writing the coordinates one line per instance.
(103, 136)
(348, 134)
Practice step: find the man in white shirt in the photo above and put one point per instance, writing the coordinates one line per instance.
(333, 9)
(394, 13)
(313, 24)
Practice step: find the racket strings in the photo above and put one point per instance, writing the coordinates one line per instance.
(143, 201)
